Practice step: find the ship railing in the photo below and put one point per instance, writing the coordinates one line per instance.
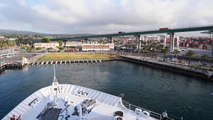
(152, 114)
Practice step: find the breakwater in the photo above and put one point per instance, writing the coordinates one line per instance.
(207, 75)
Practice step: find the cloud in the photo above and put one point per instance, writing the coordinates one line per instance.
(103, 16)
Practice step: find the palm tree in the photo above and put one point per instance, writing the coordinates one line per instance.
(190, 54)
(159, 47)
(153, 49)
(164, 51)
(144, 50)
(205, 57)
(176, 52)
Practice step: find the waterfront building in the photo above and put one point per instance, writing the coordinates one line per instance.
(97, 47)
(53, 45)
(12, 39)
(2, 38)
(197, 43)
(73, 44)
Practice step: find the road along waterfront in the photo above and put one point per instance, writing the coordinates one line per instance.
(143, 86)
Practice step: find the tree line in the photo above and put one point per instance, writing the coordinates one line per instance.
(7, 44)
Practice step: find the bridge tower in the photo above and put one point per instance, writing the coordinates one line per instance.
(65, 43)
(171, 44)
(178, 42)
(164, 41)
(111, 40)
(144, 39)
(138, 41)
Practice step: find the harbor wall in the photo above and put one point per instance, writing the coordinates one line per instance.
(169, 68)
(11, 66)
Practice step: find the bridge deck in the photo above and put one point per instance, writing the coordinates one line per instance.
(189, 29)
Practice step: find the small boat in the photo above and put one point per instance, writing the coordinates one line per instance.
(73, 102)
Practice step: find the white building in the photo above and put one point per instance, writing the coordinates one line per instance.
(97, 47)
(53, 45)
(1, 37)
(12, 39)
(73, 44)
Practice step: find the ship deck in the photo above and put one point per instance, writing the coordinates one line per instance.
(71, 102)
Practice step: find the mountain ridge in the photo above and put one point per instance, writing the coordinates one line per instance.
(23, 32)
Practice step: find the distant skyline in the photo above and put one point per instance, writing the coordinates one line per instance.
(103, 16)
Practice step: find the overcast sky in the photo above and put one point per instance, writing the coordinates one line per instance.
(103, 16)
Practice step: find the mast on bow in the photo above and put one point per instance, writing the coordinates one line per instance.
(55, 81)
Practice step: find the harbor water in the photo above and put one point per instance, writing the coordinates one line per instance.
(153, 89)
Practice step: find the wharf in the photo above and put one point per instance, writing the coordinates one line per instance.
(172, 67)
(9, 66)
(18, 61)
(65, 62)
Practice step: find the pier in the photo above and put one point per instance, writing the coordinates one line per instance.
(67, 62)
(19, 61)
(20, 65)
(9, 66)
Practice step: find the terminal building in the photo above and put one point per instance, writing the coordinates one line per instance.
(97, 47)
(73, 44)
(53, 45)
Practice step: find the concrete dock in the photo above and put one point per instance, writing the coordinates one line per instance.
(177, 68)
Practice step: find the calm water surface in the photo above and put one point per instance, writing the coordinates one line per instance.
(143, 86)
